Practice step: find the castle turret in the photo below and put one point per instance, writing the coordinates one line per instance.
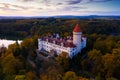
(77, 32)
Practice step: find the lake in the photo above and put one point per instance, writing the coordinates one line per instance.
(6, 43)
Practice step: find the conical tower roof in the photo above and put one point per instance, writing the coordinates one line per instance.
(77, 28)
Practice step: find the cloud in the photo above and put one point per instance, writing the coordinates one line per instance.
(71, 2)
(6, 6)
(8, 9)
(20, 7)
(59, 3)
(103, 11)
(39, 8)
(99, 12)
(26, 0)
(98, 1)
(46, 2)
(75, 7)
(71, 8)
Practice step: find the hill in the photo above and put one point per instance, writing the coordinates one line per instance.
(63, 16)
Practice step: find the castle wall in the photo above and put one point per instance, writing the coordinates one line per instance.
(47, 46)
(40, 44)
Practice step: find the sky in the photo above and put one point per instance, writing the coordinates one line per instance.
(59, 7)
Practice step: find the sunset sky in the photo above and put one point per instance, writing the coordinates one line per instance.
(59, 7)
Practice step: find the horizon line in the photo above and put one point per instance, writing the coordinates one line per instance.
(53, 15)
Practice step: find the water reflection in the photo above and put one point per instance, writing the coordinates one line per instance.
(6, 43)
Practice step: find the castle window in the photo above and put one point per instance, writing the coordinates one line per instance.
(73, 53)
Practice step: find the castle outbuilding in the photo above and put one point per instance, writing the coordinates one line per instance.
(71, 45)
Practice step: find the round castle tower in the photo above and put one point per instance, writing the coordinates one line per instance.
(77, 33)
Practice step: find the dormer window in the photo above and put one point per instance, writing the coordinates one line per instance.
(54, 42)
(62, 44)
(47, 40)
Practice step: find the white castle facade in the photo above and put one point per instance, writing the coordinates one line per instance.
(71, 45)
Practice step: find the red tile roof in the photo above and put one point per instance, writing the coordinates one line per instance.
(77, 29)
(66, 43)
(70, 44)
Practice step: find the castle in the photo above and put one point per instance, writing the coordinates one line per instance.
(71, 45)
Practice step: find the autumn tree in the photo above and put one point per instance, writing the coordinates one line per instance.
(116, 54)
(52, 73)
(109, 66)
(95, 56)
(63, 60)
(70, 76)
(31, 76)
(10, 65)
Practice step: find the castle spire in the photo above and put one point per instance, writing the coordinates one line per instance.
(77, 28)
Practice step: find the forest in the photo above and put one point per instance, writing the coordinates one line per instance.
(22, 28)
(100, 60)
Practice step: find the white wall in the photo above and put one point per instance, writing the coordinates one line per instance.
(59, 49)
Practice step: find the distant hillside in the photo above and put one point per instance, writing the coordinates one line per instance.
(63, 16)
(13, 17)
(88, 17)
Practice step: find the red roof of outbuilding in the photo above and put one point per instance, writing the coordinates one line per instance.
(77, 29)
